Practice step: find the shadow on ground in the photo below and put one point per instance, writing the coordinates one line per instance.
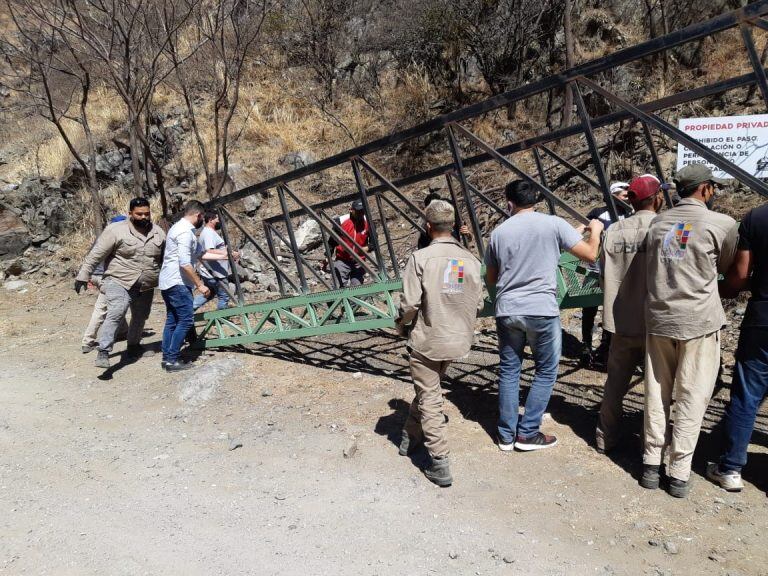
(470, 384)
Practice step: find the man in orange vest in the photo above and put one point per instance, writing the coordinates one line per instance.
(348, 271)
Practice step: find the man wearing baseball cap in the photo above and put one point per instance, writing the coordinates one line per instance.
(623, 267)
(347, 270)
(603, 214)
(442, 293)
(688, 246)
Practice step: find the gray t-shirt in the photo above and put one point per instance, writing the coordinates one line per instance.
(209, 240)
(525, 250)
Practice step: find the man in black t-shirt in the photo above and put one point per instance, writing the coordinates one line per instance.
(750, 375)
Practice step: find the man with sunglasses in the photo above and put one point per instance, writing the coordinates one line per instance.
(688, 247)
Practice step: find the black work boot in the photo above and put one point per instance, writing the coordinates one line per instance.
(102, 359)
(439, 472)
(678, 488)
(651, 476)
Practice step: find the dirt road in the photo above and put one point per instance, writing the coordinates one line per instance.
(139, 471)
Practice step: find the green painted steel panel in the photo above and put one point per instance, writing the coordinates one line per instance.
(333, 312)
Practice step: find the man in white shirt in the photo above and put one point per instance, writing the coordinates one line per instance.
(177, 280)
(214, 264)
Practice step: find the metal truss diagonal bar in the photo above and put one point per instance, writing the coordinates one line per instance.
(252, 240)
(510, 166)
(679, 136)
(690, 33)
(586, 124)
(332, 232)
(459, 167)
(754, 60)
(560, 134)
(373, 237)
(388, 185)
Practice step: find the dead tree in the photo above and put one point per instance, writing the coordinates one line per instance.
(128, 39)
(55, 77)
(226, 35)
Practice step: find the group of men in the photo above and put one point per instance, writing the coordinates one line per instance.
(132, 257)
(662, 308)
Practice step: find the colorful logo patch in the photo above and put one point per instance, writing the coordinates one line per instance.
(676, 241)
(453, 277)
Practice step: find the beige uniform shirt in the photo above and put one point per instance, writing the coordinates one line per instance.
(130, 256)
(687, 247)
(624, 272)
(442, 293)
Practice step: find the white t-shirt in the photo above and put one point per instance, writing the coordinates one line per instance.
(209, 240)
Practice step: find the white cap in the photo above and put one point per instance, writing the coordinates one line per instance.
(617, 187)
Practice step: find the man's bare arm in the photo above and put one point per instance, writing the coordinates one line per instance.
(737, 277)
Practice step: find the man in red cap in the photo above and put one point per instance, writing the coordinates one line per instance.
(624, 287)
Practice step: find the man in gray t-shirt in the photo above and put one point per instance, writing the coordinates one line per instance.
(521, 262)
(213, 272)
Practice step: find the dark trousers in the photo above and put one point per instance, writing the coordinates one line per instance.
(178, 321)
(750, 386)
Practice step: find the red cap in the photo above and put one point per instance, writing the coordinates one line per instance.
(643, 187)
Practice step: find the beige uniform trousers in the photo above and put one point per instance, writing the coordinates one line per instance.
(685, 370)
(97, 318)
(625, 354)
(425, 419)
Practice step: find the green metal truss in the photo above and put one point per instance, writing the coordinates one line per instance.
(366, 307)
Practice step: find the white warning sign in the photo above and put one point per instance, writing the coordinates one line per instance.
(742, 140)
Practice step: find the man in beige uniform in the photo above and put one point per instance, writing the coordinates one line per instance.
(624, 269)
(687, 247)
(442, 293)
(133, 252)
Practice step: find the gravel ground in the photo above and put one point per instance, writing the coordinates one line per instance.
(279, 459)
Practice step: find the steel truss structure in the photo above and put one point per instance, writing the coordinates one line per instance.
(301, 313)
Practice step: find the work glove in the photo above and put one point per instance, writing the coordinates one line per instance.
(79, 285)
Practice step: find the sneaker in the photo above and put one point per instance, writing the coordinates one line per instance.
(439, 472)
(102, 359)
(729, 480)
(651, 476)
(538, 441)
(408, 444)
(177, 366)
(88, 347)
(678, 488)
(506, 446)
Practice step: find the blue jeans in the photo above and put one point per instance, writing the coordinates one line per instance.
(750, 386)
(178, 321)
(217, 289)
(544, 335)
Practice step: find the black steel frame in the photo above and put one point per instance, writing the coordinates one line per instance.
(388, 194)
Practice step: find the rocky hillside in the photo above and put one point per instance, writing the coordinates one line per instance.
(319, 77)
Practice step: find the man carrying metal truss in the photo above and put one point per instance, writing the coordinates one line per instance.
(442, 294)
(521, 262)
(354, 227)
(688, 246)
(623, 266)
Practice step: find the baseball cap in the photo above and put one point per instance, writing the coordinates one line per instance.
(357, 205)
(688, 177)
(617, 187)
(643, 187)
